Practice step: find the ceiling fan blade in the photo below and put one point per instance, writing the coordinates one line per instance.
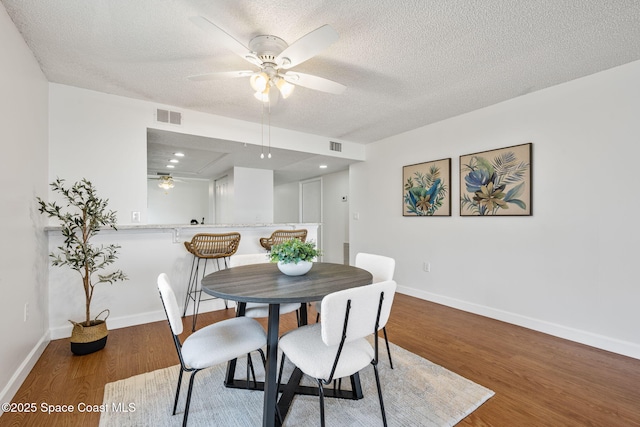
(220, 75)
(314, 82)
(225, 39)
(307, 47)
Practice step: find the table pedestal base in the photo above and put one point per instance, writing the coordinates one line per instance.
(293, 387)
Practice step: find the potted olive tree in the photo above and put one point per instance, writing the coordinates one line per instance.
(85, 213)
(294, 257)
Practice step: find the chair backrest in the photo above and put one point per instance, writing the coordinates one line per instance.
(170, 304)
(208, 245)
(280, 236)
(247, 259)
(365, 302)
(381, 267)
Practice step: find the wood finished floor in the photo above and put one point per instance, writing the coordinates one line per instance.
(539, 380)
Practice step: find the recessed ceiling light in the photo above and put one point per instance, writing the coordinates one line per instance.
(170, 166)
(174, 161)
(178, 154)
(323, 166)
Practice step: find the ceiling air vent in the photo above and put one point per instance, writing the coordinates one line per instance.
(166, 116)
(335, 146)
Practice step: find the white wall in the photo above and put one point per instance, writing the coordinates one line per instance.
(145, 252)
(224, 198)
(247, 199)
(568, 270)
(23, 247)
(188, 199)
(107, 135)
(253, 195)
(286, 205)
(335, 215)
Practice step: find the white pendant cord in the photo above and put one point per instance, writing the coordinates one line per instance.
(268, 128)
(262, 132)
(269, 124)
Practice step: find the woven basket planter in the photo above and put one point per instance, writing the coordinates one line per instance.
(89, 339)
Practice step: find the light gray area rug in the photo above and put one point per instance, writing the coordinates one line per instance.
(416, 393)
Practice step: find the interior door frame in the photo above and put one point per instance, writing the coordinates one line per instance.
(320, 239)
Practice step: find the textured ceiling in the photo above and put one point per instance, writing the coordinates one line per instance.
(406, 64)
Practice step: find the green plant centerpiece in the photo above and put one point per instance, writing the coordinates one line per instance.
(80, 221)
(294, 257)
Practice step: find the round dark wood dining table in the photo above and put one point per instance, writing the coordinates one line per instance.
(264, 283)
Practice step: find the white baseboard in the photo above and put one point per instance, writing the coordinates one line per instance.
(140, 319)
(594, 340)
(602, 342)
(23, 370)
(27, 365)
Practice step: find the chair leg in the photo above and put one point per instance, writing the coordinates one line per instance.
(190, 285)
(278, 413)
(186, 408)
(281, 369)
(386, 340)
(248, 373)
(193, 290)
(384, 414)
(175, 403)
(196, 308)
(226, 302)
(321, 396)
(253, 372)
(198, 292)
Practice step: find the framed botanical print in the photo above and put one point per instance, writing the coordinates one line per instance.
(426, 189)
(496, 182)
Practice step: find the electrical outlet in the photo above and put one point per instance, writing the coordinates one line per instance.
(135, 216)
(426, 267)
(26, 311)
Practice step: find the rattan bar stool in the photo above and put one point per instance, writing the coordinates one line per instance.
(280, 236)
(207, 247)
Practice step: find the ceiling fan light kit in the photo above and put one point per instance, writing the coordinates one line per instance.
(274, 57)
(262, 96)
(166, 182)
(259, 81)
(285, 88)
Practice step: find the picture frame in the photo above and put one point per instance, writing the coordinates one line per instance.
(426, 188)
(497, 182)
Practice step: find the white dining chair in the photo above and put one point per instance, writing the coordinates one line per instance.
(214, 344)
(382, 269)
(256, 309)
(337, 347)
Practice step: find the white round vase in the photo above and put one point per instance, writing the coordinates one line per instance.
(292, 269)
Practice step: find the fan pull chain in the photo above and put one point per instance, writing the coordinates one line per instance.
(269, 123)
(262, 131)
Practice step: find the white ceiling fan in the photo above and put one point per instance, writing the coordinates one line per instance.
(165, 180)
(274, 58)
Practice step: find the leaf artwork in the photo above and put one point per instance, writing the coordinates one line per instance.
(494, 185)
(424, 193)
